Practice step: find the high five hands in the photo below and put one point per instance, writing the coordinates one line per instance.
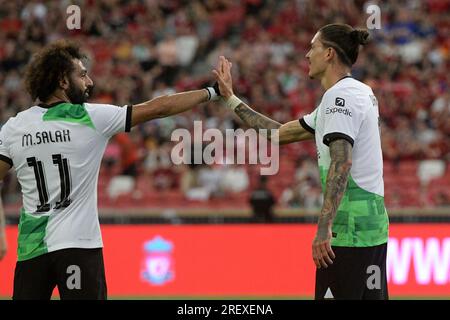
(223, 77)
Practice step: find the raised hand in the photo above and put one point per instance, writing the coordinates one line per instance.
(223, 76)
(322, 252)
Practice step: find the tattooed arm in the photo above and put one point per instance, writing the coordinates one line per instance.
(289, 132)
(255, 119)
(341, 162)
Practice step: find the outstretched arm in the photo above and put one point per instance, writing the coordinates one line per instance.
(167, 105)
(289, 132)
(341, 163)
(255, 119)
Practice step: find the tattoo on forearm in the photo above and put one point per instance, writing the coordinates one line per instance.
(341, 155)
(255, 119)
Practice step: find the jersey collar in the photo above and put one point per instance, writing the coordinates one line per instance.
(344, 77)
(48, 106)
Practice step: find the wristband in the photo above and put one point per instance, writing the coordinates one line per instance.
(212, 95)
(232, 102)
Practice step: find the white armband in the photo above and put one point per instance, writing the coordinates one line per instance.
(232, 102)
(212, 95)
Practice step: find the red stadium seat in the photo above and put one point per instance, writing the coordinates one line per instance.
(408, 167)
(388, 167)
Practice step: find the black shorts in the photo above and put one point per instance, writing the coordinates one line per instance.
(78, 274)
(356, 273)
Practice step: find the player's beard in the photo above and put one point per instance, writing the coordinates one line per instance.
(77, 95)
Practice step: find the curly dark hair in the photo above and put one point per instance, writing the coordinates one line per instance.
(49, 66)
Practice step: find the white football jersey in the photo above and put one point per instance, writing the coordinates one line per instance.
(56, 151)
(349, 110)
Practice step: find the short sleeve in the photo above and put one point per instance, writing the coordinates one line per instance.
(4, 149)
(308, 122)
(109, 119)
(342, 117)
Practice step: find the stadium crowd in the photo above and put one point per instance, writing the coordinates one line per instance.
(140, 49)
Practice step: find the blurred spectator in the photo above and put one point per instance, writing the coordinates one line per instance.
(233, 179)
(262, 202)
(128, 154)
(442, 199)
(159, 165)
(201, 183)
(143, 49)
(306, 191)
(111, 157)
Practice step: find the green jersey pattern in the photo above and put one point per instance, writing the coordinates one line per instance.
(69, 112)
(31, 241)
(361, 219)
(349, 111)
(56, 151)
